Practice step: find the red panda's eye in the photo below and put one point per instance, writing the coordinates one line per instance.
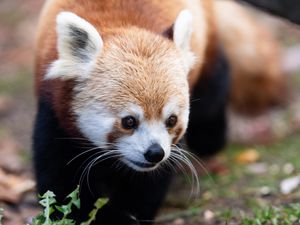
(171, 121)
(129, 122)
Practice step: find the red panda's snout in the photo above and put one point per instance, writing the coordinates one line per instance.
(151, 141)
(131, 95)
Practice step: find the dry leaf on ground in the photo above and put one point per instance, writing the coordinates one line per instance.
(12, 187)
(248, 156)
(9, 155)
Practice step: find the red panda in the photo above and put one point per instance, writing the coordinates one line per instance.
(113, 81)
(118, 84)
(257, 77)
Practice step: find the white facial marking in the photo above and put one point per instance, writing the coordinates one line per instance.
(170, 108)
(132, 110)
(95, 123)
(78, 44)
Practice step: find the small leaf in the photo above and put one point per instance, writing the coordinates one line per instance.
(99, 204)
(64, 222)
(48, 199)
(64, 209)
(75, 197)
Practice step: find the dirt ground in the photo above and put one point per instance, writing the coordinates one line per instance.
(230, 186)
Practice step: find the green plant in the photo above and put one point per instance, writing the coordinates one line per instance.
(284, 215)
(50, 206)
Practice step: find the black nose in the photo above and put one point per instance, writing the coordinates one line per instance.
(155, 153)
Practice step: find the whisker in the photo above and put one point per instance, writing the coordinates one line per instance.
(97, 153)
(90, 164)
(86, 151)
(181, 168)
(169, 164)
(196, 159)
(112, 156)
(86, 160)
(195, 180)
(94, 163)
(82, 153)
(119, 165)
(190, 179)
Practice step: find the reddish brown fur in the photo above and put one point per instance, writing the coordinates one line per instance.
(150, 79)
(177, 132)
(156, 16)
(118, 132)
(141, 74)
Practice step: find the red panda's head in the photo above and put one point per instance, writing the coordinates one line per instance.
(131, 91)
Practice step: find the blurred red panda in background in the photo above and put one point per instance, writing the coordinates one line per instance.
(254, 55)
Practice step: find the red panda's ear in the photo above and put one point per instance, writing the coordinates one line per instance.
(182, 32)
(182, 29)
(78, 44)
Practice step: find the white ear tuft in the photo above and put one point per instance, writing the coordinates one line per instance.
(183, 28)
(78, 44)
(182, 32)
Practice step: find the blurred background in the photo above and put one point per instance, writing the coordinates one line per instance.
(263, 147)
